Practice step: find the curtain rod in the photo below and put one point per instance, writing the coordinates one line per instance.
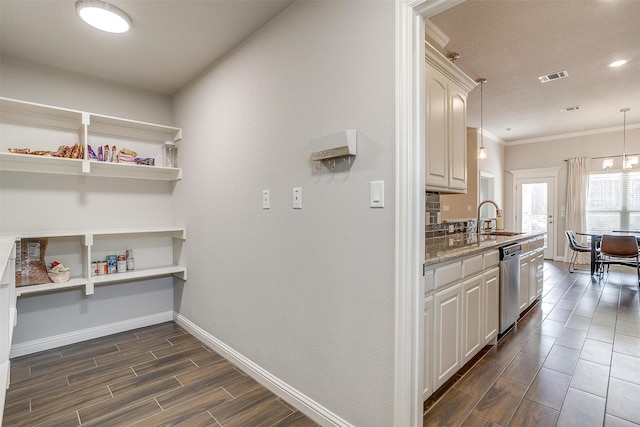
(607, 157)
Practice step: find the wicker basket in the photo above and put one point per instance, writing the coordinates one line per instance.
(59, 277)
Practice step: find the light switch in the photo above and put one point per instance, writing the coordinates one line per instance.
(297, 198)
(376, 194)
(266, 199)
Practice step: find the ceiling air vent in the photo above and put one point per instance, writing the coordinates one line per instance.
(553, 76)
(574, 108)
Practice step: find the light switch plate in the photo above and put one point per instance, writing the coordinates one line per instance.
(376, 194)
(266, 199)
(297, 198)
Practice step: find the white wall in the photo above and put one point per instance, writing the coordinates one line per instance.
(306, 294)
(32, 82)
(494, 164)
(552, 153)
(34, 202)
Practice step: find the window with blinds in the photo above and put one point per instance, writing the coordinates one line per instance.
(614, 201)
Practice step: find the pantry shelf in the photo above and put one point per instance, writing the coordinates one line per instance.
(40, 164)
(51, 287)
(157, 253)
(140, 274)
(45, 128)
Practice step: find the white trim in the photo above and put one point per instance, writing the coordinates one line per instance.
(304, 403)
(535, 173)
(433, 32)
(409, 205)
(572, 135)
(409, 223)
(539, 173)
(35, 346)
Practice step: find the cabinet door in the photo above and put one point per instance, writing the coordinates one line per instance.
(533, 271)
(436, 150)
(447, 325)
(539, 273)
(524, 282)
(457, 139)
(491, 309)
(427, 386)
(472, 317)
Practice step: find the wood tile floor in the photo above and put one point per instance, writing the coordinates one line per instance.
(574, 360)
(155, 376)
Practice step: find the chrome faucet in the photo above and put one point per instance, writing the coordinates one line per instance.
(480, 205)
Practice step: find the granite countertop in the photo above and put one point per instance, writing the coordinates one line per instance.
(445, 248)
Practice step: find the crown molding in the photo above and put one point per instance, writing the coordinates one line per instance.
(571, 135)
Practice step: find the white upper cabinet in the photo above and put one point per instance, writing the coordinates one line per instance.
(447, 89)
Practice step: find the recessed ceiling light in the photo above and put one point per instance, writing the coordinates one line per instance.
(618, 63)
(103, 16)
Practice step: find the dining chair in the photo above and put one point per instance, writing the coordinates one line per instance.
(576, 247)
(620, 250)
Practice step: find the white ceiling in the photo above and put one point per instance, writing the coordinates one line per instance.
(508, 42)
(170, 43)
(512, 42)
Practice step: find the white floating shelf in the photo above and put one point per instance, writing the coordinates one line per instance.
(113, 126)
(61, 166)
(123, 170)
(40, 164)
(139, 274)
(51, 287)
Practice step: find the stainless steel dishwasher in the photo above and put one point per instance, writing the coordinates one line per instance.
(509, 286)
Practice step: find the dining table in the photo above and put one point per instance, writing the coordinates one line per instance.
(596, 236)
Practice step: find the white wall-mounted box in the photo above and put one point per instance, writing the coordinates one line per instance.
(336, 145)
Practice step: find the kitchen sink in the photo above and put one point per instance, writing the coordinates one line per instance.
(503, 233)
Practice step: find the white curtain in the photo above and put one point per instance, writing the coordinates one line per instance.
(577, 192)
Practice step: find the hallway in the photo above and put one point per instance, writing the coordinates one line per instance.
(574, 360)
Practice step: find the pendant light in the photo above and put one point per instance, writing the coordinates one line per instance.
(627, 162)
(103, 16)
(482, 151)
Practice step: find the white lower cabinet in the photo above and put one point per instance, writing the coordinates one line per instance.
(491, 302)
(447, 332)
(524, 282)
(427, 383)
(461, 314)
(472, 317)
(539, 273)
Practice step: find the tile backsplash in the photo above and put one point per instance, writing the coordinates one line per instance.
(437, 228)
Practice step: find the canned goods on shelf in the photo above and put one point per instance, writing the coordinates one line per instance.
(102, 268)
(112, 264)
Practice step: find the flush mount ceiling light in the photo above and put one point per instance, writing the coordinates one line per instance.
(618, 63)
(103, 16)
(482, 151)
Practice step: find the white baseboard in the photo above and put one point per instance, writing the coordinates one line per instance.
(35, 346)
(304, 403)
